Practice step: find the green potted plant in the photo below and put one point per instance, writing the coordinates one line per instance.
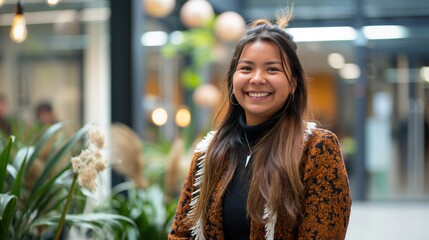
(45, 204)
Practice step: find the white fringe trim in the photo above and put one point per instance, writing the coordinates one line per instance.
(309, 130)
(271, 224)
(205, 142)
(197, 185)
(197, 231)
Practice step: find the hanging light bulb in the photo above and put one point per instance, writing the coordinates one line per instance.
(158, 8)
(230, 26)
(52, 2)
(18, 32)
(1, 2)
(196, 13)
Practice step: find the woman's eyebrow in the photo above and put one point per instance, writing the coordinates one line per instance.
(266, 63)
(273, 62)
(246, 61)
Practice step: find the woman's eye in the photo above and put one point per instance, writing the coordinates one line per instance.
(273, 70)
(245, 68)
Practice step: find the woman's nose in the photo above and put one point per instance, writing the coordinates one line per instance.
(258, 77)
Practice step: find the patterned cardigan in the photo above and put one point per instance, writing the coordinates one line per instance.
(326, 204)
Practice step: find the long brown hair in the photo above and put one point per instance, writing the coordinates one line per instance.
(276, 176)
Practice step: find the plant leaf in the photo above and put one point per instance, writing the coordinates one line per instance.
(20, 155)
(103, 224)
(7, 212)
(190, 78)
(17, 184)
(41, 142)
(33, 199)
(11, 170)
(51, 162)
(50, 200)
(4, 159)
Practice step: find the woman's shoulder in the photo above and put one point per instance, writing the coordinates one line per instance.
(322, 150)
(322, 144)
(322, 155)
(314, 134)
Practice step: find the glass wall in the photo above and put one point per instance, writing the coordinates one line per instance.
(52, 66)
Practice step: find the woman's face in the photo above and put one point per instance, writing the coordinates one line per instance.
(260, 83)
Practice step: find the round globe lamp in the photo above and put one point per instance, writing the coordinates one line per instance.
(158, 8)
(196, 13)
(230, 26)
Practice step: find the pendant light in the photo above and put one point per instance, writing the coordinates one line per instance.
(158, 8)
(18, 32)
(52, 2)
(196, 13)
(230, 26)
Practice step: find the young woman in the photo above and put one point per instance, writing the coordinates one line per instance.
(265, 173)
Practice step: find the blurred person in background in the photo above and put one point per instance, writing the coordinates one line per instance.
(266, 172)
(45, 114)
(5, 122)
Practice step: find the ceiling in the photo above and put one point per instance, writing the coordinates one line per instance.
(41, 5)
(329, 9)
(414, 14)
(306, 12)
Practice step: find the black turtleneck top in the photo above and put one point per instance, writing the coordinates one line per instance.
(236, 223)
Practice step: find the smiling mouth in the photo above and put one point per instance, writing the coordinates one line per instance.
(258, 94)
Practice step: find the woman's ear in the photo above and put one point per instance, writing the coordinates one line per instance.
(293, 86)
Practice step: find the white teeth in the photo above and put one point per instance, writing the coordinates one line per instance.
(253, 94)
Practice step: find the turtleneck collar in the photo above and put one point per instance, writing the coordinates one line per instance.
(254, 133)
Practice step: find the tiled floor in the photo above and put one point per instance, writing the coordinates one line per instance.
(389, 221)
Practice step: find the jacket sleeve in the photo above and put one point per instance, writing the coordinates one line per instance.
(180, 230)
(327, 202)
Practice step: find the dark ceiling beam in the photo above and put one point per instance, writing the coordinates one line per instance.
(225, 5)
(238, 6)
(405, 21)
(42, 6)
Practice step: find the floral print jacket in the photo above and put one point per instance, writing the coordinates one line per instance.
(326, 207)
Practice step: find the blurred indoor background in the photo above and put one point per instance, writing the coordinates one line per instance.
(157, 65)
